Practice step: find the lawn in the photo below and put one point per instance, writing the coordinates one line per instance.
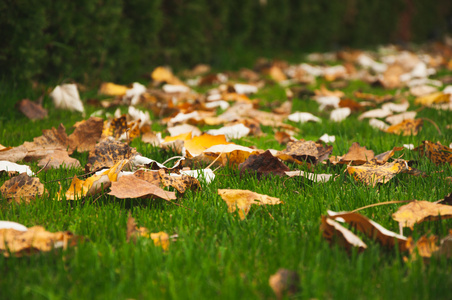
(217, 255)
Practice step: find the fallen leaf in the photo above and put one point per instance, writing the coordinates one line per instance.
(378, 124)
(305, 151)
(57, 159)
(340, 114)
(357, 155)
(22, 187)
(396, 119)
(130, 186)
(284, 283)
(112, 89)
(243, 199)
(372, 97)
(231, 132)
(436, 152)
(11, 168)
(283, 138)
(424, 246)
(372, 173)
(371, 229)
(417, 212)
(184, 128)
(107, 153)
(406, 127)
(434, 98)
(34, 239)
(263, 164)
(66, 96)
(32, 110)
(311, 176)
(86, 134)
(198, 144)
(383, 157)
(163, 74)
(375, 113)
(160, 239)
(180, 182)
(303, 117)
(333, 231)
(13, 154)
(51, 140)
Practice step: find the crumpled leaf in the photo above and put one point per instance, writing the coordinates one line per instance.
(32, 110)
(305, 151)
(160, 239)
(263, 164)
(35, 239)
(22, 187)
(66, 96)
(333, 231)
(92, 185)
(109, 152)
(284, 283)
(417, 212)
(372, 173)
(130, 186)
(406, 127)
(51, 140)
(243, 199)
(370, 228)
(436, 152)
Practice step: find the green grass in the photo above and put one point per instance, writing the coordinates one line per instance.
(218, 256)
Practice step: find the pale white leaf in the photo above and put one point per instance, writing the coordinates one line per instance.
(13, 167)
(340, 114)
(66, 96)
(303, 117)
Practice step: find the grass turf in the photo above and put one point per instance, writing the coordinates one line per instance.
(216, 254)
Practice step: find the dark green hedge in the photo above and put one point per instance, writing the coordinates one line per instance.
(120, 40)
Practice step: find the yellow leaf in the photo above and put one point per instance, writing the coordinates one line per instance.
(438, 97)
(112, 89)
(419, 211)
(372, 173)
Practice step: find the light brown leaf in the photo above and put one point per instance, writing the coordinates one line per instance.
(406, 127)
(51, 140)
(243, 199)
(305, 151)
(436, 152)
(13, 154)
(284, 283)
(130, 186)
(22, 187)
(86, 134)
(417, 212)
(57, 159)
(333, 231)
(357, 154)
(32, 110)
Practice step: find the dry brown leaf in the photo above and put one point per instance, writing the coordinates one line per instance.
(284, 283)
(357, 155)
(243, 199)
(424, 246)
(417, 212)
(391, 77)
(130, 186)
(436, 152)
(51, 140)
(160, 239)
(263, 164)
(333, 231)
(86, 134)
(180, 182)
(372, 173)
(372, 97)
(57, 159)
(383, 157)
(120, 129)
(13, 154)
(107, 153)
(35, 239)
(371, 229)
(305, 151)
(406, 127)
(151, 176)
(32, 110)
(22, 187)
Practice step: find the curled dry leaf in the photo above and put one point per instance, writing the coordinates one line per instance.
(51, 140)
(372, 173)
(160, 239)
(35, 239)
(243, 199)
(86, 134)
(406, 127)
(417, 212)
(371, 229)
(284, 283)
(130, 186)
(22, 187)
(180, 182)
(333, 231)
(57, 159)
(436, 152)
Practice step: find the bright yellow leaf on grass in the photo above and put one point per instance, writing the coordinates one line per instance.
(112, 89)
(181, 137)
(200, 143)
(372, 173)
(438, 97)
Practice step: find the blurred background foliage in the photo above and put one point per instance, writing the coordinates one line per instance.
(122, 40)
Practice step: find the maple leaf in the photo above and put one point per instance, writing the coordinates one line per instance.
(160, 239)
(333, 231)
(32, 110)
(436, 152)
(22, 187)
(32, 240)
(406, 127)
(130, 186)
(263, 164)
(372, 173)
(284, 283)
(243, 199)
(417, 212)
(66, 96)
(371, 229)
